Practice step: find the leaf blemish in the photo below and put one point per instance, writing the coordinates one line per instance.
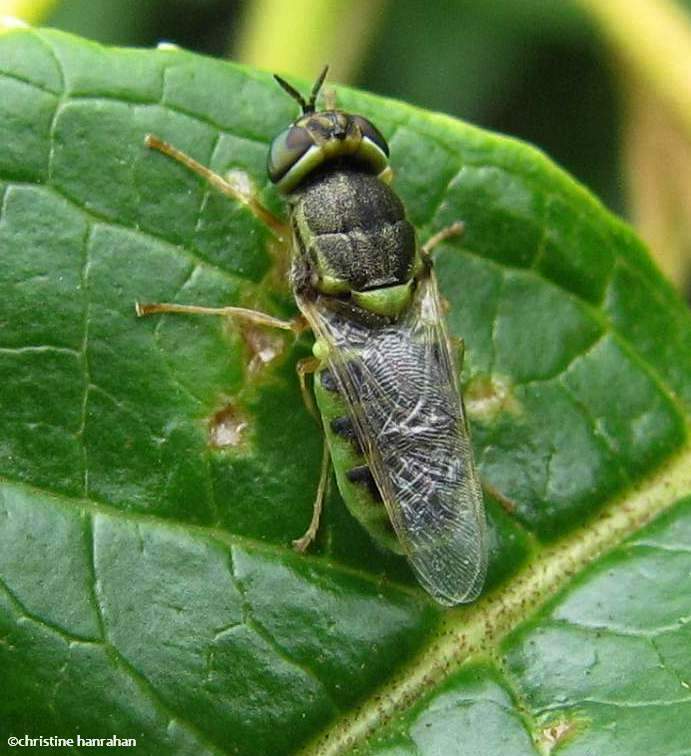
(264, 346)
(554, 734)
(227, 427)
(241, 181)
(487, 396)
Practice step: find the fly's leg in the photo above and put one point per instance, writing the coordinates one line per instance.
(304, 368)
(297, 325)
(301, 544)
(278, 228)
(458, 348)
(455, 229)
(276, 225)
(508, 505)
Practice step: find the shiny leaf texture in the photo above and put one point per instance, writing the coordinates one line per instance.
(153, 472)
(605, 668)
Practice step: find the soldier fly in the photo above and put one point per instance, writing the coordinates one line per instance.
(385, 381)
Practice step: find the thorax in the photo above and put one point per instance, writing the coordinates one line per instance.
(351, 233)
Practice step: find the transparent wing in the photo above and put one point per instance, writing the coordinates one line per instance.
(400, 385)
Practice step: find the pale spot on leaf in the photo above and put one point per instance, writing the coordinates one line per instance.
(226, 427)
(264, 346)
(487, 396)
(554, 734)
(240, 181)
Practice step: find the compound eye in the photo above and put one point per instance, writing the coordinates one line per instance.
(371, 132)
(286, 150)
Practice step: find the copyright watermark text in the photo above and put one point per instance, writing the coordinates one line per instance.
(53, 741)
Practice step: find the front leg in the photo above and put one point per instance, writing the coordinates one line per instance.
(280, 229)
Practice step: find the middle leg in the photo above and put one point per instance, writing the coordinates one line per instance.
(455, 229)
(304, 368)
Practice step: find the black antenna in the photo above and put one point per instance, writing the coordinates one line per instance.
(307, 106)
(291, 91)
(315, 90)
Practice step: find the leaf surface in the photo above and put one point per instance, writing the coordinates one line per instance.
(154, 472)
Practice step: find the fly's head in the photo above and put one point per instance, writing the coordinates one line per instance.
(317, 137)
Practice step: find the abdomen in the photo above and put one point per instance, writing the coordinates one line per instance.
(396, 383)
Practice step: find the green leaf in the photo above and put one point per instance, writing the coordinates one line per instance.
(153, 472)
(604, 668)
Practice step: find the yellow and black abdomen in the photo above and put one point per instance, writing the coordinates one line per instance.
(394, 420)
(351, 467)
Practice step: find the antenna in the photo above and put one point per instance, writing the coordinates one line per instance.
(309, 105)
(315, 90)
(291, 91)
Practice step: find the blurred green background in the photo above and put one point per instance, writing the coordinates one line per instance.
(602, 86)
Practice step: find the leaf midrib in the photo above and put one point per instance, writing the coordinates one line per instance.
(479, 629)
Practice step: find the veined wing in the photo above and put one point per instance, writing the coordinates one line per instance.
(399, 383)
